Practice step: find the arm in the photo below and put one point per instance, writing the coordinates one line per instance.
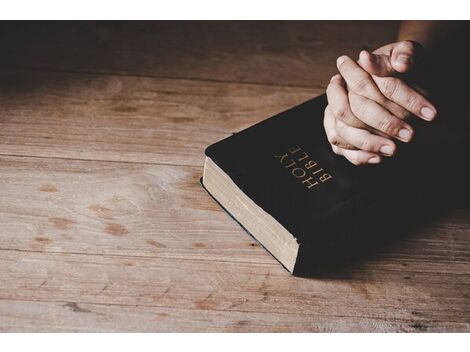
(426, 33)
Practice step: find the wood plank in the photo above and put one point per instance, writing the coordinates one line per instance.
(127, 118)
(116, 208)
(27, 316)
(416, 296)
(71, 206)
(274, 52)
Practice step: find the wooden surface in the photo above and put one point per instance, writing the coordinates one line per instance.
(104, 225)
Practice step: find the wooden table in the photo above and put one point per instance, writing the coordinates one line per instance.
(104, 225)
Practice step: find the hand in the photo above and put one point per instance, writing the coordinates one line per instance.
(369, 102)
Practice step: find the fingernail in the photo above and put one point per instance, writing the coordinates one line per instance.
(405, 134)
(428, 113)
(340, 60)
(374, 160)
(386, 149)
(364, 53)
(404, 59)
(334, 77)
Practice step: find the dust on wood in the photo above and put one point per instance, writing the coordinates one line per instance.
(74, 307)
(116, 229)
(62, 223)
(48, 188)
(42, 239)
(155, 243)
(101, 211)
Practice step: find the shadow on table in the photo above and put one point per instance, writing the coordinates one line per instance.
(431, 181)
(425, 190)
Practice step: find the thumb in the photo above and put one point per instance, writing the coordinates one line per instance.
(404, 55)
(376, 64)
(398, 58)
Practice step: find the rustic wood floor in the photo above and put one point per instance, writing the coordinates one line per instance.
(104, 225)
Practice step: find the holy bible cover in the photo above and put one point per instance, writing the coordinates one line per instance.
(281, 181)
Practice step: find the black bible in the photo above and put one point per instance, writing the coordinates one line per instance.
(282, 182)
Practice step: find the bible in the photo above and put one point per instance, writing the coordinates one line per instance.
(304, 204)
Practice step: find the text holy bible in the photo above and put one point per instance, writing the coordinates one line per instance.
(281, 181)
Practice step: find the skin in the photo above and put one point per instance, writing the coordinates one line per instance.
(371, 100)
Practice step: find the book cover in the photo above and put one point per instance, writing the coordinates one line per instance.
(286, 167)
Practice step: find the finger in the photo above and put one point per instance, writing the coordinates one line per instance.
(378, 65)
(358, 80)
(338, 102)
(364, 140)
(339, 106)
(329, 123)
(376, 116)
(402, 94)
(362, 83)
(358, 157)
(404, 55)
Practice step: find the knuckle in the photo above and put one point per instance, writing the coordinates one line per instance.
(367, 145)
(387, 125)
(332, 138)
(358, 105)
(340, 112)
(411, 103)
(390, 87)
(361, 84)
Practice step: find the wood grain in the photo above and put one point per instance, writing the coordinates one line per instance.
(104, 225)
(72, 206)
(116, 208)
(68, 316)
(280, 53)
(129, 118)
(415, 296)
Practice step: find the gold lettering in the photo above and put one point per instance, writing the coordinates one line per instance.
(316, 172)
(308, 182)
(296, 173)
(290, 165)
(294, 149)
(303, 168)
(310, 164)
(283, 156)
(325, 177)
(305, 156)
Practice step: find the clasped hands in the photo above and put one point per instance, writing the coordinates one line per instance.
(369, 102)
